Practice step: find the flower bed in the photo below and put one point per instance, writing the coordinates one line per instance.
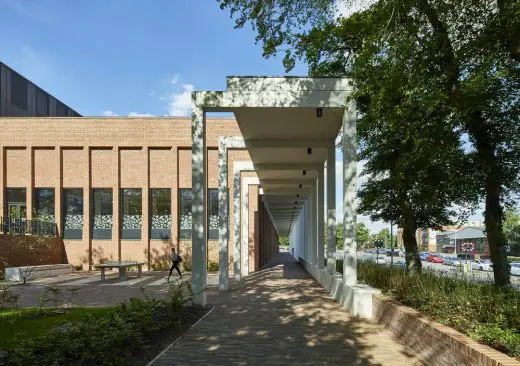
(486, 314)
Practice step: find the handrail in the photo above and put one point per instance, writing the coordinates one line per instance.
(21, 226)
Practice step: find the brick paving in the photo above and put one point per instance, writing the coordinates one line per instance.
(281, 316)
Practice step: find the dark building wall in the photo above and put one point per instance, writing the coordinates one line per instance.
(19, 97)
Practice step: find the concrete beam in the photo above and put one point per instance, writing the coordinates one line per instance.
(285, 143)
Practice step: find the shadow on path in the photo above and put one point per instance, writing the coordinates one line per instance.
(281, 316)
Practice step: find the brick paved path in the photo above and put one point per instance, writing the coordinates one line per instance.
(281, 316)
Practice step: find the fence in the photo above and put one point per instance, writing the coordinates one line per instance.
(16, 226)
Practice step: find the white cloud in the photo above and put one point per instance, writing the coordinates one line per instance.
(109, 113)
(136, 114)
(179, 103)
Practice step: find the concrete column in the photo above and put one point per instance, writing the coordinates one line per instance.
(58, 206)
(331, 210)
(321, 214)
(223, 213)
(314, 218)
(349, 195)
(199, 183)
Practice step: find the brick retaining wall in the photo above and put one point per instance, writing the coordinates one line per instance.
(434, 343)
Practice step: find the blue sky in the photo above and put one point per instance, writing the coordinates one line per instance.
(129, 57)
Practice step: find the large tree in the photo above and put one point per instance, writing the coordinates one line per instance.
(463, 54)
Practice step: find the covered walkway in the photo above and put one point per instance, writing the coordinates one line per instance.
(282, 316)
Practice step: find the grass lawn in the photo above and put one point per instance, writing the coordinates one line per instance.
(27, 323)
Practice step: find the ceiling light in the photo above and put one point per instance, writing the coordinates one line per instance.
(319, 112)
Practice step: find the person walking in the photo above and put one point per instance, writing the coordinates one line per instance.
(176, 259)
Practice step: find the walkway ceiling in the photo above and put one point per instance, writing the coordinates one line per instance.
(278, 141)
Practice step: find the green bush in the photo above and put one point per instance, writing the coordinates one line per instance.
(213, 266)
(513, 259)
(110, 339)
(483, 312)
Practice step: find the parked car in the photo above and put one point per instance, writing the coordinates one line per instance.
(452, 261)
(482, 265)
(379, 260)
(423, 255)
(400, 264)
(434, 258)
(515, 268)
(397, 253)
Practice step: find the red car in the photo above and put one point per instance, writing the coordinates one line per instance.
(434, 259)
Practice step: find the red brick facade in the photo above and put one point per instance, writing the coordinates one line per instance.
(116, 153)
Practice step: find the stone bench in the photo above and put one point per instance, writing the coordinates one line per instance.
(17, 274)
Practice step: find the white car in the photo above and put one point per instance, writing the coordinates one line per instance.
(515, 268)
(379, 260)
(481, 265)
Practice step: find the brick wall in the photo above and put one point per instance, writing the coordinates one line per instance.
(434, 343)
(110, 153)
(27, 250)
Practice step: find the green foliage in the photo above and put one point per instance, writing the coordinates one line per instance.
(109, 339)
(437, 88)
(27, 323)
(362, 235)
(213, 266)
(284, 241)
(485, 313)
(512, 231)
(8, 299)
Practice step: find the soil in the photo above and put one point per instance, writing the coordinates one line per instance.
(163, 339)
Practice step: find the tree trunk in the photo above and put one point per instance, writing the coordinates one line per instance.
(413, 262)
(493, 215)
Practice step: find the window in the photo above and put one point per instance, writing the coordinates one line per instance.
(61, 109)
(131, 213)
(213, 221)
(44, 205)
(18, 91)
(72, 213)
(42, 103)
(161, 218)
(16, 203)
(101, 213)
(185, 219)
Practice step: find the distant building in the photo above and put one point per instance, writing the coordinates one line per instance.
(19, 97)
(430, 240)
(452, 241)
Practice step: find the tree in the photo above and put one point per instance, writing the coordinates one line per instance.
(463, 60)
(512, 231)
(284, 241)
(362, 235)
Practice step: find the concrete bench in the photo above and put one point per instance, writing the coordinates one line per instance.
(17, 274)
(122, 266)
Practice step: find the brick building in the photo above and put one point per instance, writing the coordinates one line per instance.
(118, 188)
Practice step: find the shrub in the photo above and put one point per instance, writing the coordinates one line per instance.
(213, 266)
(110, 339)
(480, 310)
(513, 259)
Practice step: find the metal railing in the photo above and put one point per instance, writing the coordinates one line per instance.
(16, 226)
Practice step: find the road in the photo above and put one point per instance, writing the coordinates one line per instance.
(442, 269)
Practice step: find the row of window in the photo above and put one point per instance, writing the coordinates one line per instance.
(131, 217)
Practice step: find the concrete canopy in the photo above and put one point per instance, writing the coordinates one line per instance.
(289, 126)
(286, 135)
